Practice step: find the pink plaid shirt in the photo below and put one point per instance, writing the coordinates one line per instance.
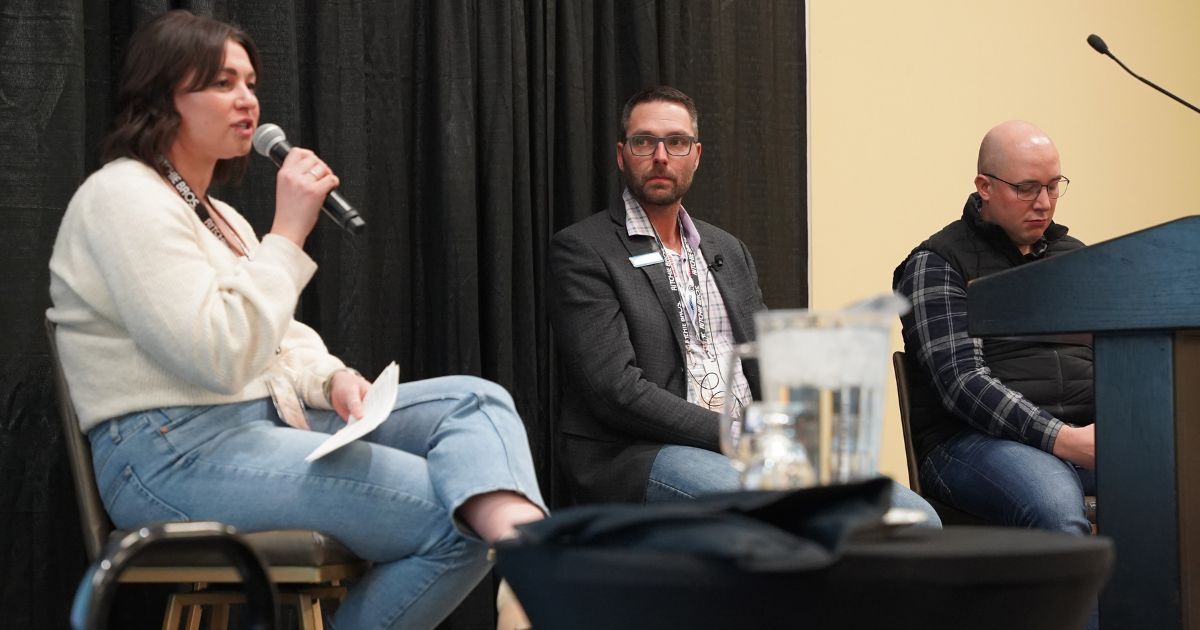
(720, 330)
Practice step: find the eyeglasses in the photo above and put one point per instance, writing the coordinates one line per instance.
(1028, 191)
(643, 145)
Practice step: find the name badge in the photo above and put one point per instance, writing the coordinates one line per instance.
(643, 260)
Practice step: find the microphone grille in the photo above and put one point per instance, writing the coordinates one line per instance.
(1097, 44)
(266, 136)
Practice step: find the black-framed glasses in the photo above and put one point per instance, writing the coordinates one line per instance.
(643, 144)
(1028, 191)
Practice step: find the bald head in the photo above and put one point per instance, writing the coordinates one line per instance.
(1015, 159)
(1007, 141)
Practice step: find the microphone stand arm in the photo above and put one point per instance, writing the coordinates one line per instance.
(1151, 83)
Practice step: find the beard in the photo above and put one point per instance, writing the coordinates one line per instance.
(656, 196)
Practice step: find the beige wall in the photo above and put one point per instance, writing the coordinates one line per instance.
(900, 94)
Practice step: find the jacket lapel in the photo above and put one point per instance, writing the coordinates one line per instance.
(732, 286)
(637, 245)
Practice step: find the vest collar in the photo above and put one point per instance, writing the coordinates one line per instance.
(996, 235)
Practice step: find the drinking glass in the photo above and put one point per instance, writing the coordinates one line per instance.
(762, 441)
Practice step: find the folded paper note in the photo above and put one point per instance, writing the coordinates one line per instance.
(377, 406)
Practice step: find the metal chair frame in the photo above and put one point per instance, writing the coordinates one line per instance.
(301, 584)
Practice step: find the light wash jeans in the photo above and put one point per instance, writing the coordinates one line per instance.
(686, 472)
(390, 497)
(1008, 483)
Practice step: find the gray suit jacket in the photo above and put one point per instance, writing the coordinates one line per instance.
(618, 334)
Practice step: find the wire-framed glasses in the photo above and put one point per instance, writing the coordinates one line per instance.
(1028, 191)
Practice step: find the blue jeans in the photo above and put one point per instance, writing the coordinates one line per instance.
(391, 497)
(1008, 483)
(686, 472)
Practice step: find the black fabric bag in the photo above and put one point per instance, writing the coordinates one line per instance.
(687, 564)
(813, 558)
(753, 531)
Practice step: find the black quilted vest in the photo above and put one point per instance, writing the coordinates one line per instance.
(1055, 376)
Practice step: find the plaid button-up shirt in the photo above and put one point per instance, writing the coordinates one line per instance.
(938, 325)
(717, 317)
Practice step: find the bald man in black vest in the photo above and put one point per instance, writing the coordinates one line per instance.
(1002, 427)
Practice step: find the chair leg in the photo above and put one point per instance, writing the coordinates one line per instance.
(220, 617)
(306, 601)
(193, 617)
(315, 594)
(176, 605)
(194, 603)
(174, 613)
(306, 612)
(318, 617)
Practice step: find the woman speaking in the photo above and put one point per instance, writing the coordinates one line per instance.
(175, 331)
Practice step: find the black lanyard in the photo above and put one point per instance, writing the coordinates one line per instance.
(177, 182)
(689, 261)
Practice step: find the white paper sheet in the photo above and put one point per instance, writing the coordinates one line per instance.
(377, 405)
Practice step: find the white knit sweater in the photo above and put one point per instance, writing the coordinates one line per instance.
(153, 311)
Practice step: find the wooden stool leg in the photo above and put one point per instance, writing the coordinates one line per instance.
(304, 609)
(193, 618)
(174, 613)
(194, 603)
(220, 617)
(318, 618)
(335, 591)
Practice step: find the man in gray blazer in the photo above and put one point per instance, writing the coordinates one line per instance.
(647, 304)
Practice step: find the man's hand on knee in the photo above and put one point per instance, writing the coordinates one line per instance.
(1077, 445)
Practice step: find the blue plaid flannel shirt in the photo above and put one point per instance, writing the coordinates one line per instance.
(937, 328)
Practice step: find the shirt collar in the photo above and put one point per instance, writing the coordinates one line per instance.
(638, 224)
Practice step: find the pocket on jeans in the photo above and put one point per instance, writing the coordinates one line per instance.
(931, 477)
(184, 430)
(129, 502)
(171, 418)
(106, 436)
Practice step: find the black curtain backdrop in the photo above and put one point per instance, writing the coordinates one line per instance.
(467, 133)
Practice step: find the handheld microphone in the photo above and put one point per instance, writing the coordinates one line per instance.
(270, 141)
(717, 263)
(1099, 46)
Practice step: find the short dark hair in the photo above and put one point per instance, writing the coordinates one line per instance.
(654, 94)
(161, 55)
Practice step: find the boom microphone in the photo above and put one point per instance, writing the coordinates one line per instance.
(270, 141)
(1099, 46)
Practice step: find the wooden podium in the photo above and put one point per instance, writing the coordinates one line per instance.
(1140, 296)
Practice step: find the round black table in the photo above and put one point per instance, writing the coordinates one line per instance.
(956, 578)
